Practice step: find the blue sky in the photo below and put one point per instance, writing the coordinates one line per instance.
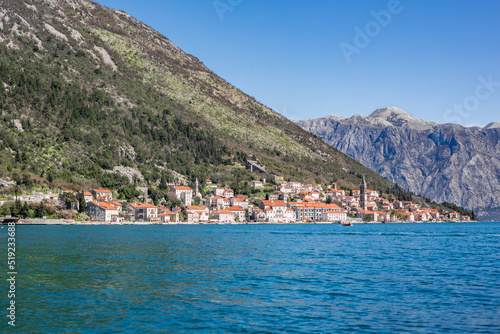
(437, 60)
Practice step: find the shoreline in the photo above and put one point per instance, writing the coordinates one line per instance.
(91, 223)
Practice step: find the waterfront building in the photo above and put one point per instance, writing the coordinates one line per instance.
(312, 210)
(333, 216)
(146, 212)
(224, 216)
(239, 212)
(202, 211)
(102, 211)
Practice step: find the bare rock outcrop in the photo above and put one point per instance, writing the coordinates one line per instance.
(444, 162)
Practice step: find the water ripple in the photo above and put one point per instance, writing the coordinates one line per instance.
(421, 278)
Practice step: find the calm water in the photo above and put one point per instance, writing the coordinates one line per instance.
(418, 278)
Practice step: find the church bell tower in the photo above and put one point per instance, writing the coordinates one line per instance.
(362, 193)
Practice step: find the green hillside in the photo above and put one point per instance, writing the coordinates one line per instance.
(94, 88)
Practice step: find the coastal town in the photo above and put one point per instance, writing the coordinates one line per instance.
(288, 202)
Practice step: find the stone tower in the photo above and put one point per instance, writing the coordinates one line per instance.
(196, 192)
(362, 193)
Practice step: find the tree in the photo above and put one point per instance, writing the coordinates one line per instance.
(69, 199)
(163, 182)
(172, 200)
(50, 178)
(16, 208)
(40, 210)
(329, 200)
(403, 216)
(25, 211)
(5, 211)
(82, 204)
(156, 194)
(129, 192)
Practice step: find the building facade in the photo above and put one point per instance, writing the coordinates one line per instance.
(184, 194)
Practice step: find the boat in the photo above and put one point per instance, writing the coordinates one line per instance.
(346, 223)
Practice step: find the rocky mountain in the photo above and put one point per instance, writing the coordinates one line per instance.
(444, 162)
(85, 89)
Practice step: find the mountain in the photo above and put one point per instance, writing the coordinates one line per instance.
(87, 92)
(444, 162)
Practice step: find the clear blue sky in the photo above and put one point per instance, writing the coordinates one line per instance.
(437, 60)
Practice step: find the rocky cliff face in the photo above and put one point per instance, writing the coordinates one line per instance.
(445, 162)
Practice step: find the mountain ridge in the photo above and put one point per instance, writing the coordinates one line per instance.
(445, 162)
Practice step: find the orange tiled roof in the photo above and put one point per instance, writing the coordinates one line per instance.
(236, 208)
(194, 207)
(181, 188)
(245, 197)
(104, 205)
(223, 211)
(273, 203)
(102, 191)
(147, 205)
(218, 197)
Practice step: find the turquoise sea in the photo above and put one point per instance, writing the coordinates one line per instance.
(380, 278)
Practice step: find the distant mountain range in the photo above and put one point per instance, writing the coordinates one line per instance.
(444, 162)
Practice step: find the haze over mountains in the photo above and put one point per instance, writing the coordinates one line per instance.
(445, 162)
